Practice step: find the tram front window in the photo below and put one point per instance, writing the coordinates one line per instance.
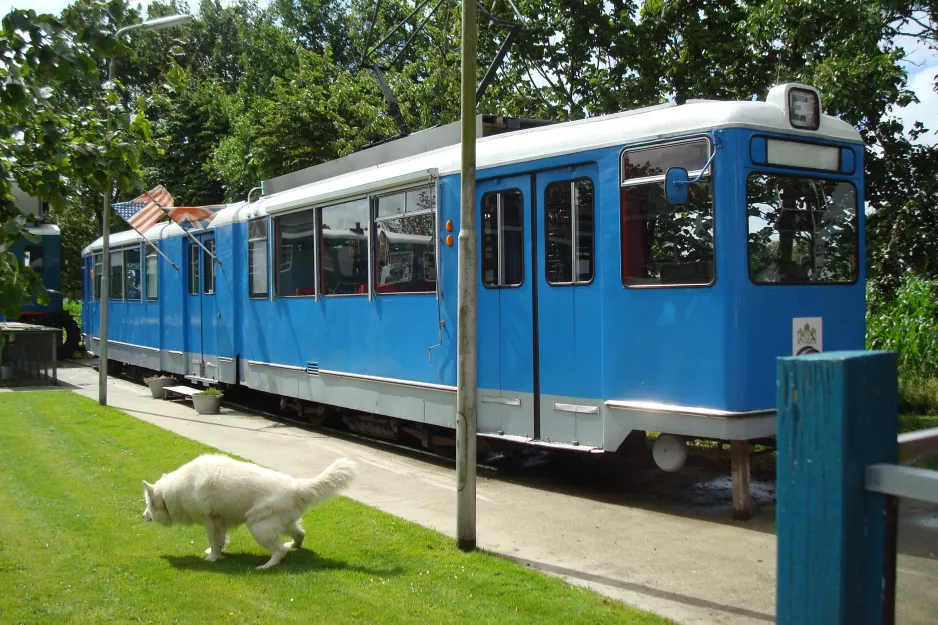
(801, 230)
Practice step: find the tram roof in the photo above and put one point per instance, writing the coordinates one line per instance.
(663, 121)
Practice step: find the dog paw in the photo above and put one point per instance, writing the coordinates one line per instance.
(212, 557)
(289, 545)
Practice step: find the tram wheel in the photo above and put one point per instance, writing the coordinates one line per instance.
(71, 332)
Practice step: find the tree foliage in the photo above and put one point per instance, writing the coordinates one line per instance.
(269, 89)
(63, 124)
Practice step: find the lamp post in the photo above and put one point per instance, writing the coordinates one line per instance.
(157, 23)
(467, 301)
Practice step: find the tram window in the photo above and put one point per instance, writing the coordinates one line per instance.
(33, 258)
(569, 230)
(116, 278)
(193, 269)
(663, 244)
(296, 259)
(405, 261)
(503, 238)
(98, 269)
(654, 161)
(153, 279)
(344, 247)
(208, 267)
(132, 274)
(801, 230)
(257, 258)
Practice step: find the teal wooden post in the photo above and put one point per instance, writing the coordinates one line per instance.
(837, 413)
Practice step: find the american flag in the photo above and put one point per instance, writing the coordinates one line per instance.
(195, 217)
(145, 210)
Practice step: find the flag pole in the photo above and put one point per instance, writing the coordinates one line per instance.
(149, 242)
(199, 243)
(186, 232)
(157, 249)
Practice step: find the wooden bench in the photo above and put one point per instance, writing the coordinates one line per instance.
(186, 392)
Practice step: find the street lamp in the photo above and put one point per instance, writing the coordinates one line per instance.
(157, 23)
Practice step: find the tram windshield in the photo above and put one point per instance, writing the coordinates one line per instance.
(801, 230)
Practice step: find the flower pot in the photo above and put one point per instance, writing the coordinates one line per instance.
(207, 404)
(157, 386)
(6, 372)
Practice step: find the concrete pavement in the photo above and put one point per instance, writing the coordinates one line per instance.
(680, 560)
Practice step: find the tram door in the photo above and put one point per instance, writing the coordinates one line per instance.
(506, 307)
(202, 309)
(569, 317)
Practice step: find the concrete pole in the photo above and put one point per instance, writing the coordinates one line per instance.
(105, 279)
(466, 299)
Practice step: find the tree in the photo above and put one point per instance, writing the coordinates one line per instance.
(63, 126)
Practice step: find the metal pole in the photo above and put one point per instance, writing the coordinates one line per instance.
(105, 279)
(158, 23)
(466, 299)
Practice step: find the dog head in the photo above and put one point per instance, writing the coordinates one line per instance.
(156, 506)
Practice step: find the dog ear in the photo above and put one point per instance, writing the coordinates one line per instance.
(149, 487)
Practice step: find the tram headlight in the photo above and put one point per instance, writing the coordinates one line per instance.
(804, 109)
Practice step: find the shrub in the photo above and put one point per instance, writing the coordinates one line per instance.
(918, 396)
(210, 391)
(157, 377)
(907, 325)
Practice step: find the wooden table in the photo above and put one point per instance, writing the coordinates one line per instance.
(29, 354)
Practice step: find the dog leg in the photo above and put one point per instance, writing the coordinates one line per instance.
(298, 535)
(267, 533)
(217, 538)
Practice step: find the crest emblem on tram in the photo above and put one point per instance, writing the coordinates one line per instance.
(806, 335)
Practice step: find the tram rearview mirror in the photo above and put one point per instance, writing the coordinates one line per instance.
(675, 184)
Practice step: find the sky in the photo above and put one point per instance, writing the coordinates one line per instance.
(921, 65)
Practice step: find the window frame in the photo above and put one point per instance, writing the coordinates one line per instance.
(634, 182)
(373, 239)
(119, 252)
(193, 279)
(208, 263)
(150, 252)
(500, 243)
(97, 264)
(574, 244)
(805, 174)
(371, 203)
(372, 219)
(277, 258)
(266, 239)
(126, 276)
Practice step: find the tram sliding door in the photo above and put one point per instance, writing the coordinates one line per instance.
(506, 310)
(210, 313)
(193, 310)
(569, 317)
(201, 341)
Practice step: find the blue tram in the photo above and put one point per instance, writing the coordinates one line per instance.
(639, 271)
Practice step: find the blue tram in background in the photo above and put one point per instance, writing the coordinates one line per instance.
(45, 258)
(638, 272)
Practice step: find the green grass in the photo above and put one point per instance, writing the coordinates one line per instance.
(74, 547)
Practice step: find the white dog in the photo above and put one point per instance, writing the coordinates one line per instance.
(221, 494)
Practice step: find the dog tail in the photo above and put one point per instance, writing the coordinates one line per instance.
(337, 476)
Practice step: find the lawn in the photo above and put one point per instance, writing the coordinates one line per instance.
(74, 547)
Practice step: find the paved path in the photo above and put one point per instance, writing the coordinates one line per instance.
(689, 564)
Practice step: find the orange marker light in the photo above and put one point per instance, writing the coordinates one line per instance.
(449, 240)
(449, 225)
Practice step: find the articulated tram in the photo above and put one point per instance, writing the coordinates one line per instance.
(638, 272)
